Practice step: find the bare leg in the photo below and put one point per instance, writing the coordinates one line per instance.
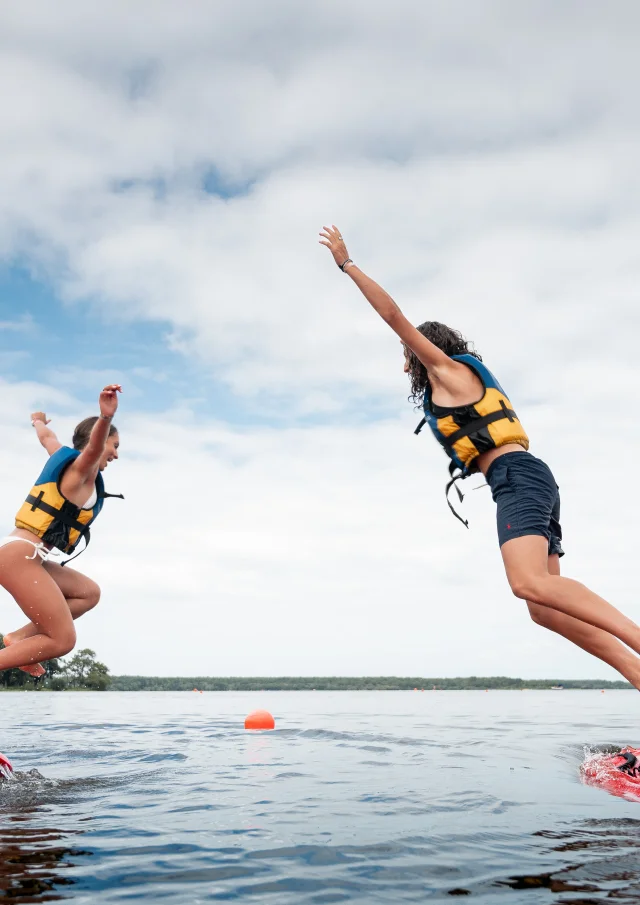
(42, 601)
(525, 560)
(593, 640)
(33, 669)
(81, 594)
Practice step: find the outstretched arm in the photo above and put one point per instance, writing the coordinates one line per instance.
(433, 358)
(45, 435)
(87, 462)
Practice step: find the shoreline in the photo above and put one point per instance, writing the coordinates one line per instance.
(368, 683)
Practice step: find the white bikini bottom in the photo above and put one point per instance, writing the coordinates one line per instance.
(38, 549)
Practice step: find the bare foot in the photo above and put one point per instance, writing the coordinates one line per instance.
(33, 669)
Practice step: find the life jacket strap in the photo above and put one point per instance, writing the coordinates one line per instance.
(449, 442)
(452, 483)
(87, 541)
(479, 423)
(87, 532)
(58, 514)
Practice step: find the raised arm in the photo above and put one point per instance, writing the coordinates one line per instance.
(433, 358)
(45, 435)
(86, 465)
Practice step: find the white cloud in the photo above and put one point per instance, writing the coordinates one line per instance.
(481, 161)
(23, 324)
(307, 551)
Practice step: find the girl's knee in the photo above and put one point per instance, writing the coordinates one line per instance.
(523, 588)
(65, 640)
(92, 595)
(529, 587)
(539, 614)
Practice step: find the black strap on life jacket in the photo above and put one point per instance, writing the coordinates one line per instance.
(449, 442)
(453, 477)
(64, 517)
(479, 423)
(87, 533)
(475, 425)
(452, 483)
(87, 541)
(60, 515)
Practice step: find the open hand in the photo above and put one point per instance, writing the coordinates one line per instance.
(40, 416)
(109, 400)
(332, 238)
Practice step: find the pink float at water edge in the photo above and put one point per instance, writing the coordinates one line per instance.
(5, 767)
(618, 774)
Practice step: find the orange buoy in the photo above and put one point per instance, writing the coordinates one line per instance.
(260, 719)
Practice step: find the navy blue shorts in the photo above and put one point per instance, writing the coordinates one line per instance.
(527, 497)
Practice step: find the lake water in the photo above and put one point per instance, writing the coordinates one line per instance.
(355, 797)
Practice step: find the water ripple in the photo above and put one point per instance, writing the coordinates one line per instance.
(165, 797)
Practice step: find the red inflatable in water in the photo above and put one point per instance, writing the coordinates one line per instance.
(618, 773)
(5, 767)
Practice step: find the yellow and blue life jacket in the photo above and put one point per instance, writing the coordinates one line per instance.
(52, 517)
(466, 431)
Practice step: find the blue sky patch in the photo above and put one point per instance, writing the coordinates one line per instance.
(71, 347)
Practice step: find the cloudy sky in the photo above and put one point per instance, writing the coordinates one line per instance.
(164, 171)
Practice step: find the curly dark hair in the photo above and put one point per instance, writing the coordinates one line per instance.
(452, 342)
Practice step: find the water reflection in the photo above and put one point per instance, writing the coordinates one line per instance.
(605, 859)
(34, 860)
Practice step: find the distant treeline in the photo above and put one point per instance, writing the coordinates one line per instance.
(345, 683)
(85, 672)
(81, 673)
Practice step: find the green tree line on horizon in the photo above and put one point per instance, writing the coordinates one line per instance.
(349, 683)
(82, 671)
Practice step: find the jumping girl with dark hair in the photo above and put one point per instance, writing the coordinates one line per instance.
(474, 421)
(56, 515)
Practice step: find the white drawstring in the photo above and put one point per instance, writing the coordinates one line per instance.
(38, 549)
(43, 552)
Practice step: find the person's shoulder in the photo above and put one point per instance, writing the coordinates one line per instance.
(62, 457)
(65, 452)
(57, 463)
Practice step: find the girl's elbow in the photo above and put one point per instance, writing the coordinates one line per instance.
(396, 321)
